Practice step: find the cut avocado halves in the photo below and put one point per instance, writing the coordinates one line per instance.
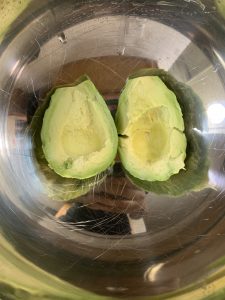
(161, 150)
(79, 137)
(149, 120)
(62, 151)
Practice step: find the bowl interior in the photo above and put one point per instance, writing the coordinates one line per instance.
(117, 239)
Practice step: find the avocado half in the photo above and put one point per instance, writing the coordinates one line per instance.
(72, 118)
(160, 123)
(79, 137)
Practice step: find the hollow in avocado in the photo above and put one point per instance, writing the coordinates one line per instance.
(161, 145)
(55, 186)
(79, 137)
(149, 120)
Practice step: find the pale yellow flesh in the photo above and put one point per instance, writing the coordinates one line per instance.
(153, 145)
(150, 136)
(78, 134)
(81, 134)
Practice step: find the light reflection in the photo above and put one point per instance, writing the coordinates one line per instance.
(216, 113)
(219, 57)
(198, 131)
(152, 272)
(216, 180)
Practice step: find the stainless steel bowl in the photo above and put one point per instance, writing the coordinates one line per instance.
(117, 241)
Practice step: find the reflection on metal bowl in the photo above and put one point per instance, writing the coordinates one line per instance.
(116, 240)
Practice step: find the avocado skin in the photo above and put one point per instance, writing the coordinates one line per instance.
(57, 187)
(195, 175)
(151, 119)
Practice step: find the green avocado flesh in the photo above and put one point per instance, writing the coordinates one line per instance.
(152, 143)
(195, 175)
(79, 137)
(56, 187)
